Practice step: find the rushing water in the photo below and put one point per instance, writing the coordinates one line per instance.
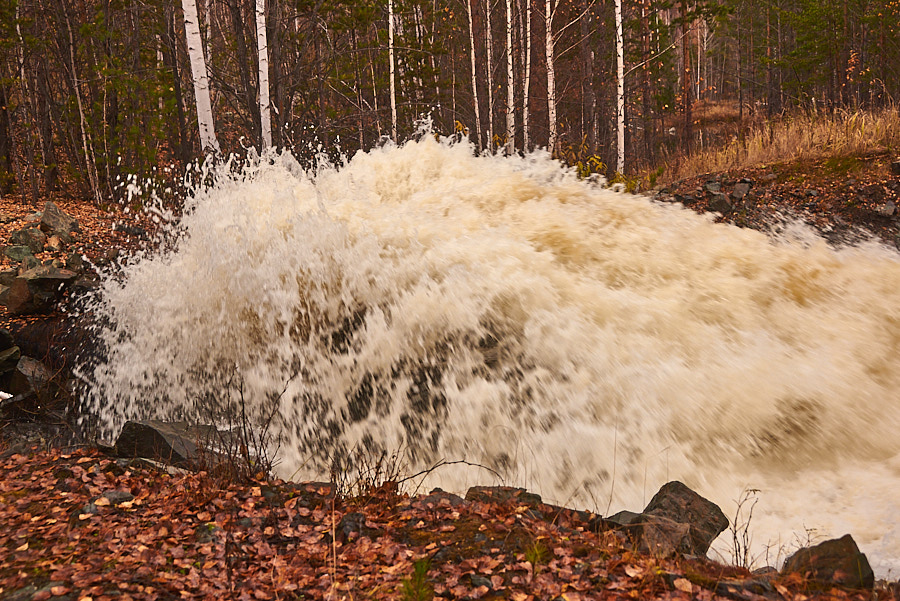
(585, 344)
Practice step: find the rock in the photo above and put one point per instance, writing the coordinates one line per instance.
(713, 187)
(502, 494)
(117, 497)
(17, 252)
(895, 168)
(33, 388)
(6, 340)
(175, 443)
(55, 221)
(75, 262)
(353, 525)
(28, 262)
(55, 243)
(812, 193)
(9, 358)
(31, 237)
(740, 190)
(888, 209)
(836, 561)
(623, 518)
(661, 536)
(719, 203)
(678, 504)
(438, 497)
(7, 276)
(37, 290)
(769, 177)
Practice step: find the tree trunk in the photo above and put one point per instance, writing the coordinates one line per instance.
(243, 63)
(510, 90)
(688, 123)
(170, 59)
(526, 88)
(392, 71)
(620, 90)
(489, 44)
(262, 46)
(208, 141)
(551, 75)
(589, 98)
(474, 76)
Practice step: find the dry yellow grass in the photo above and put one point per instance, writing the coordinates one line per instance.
(798, 137)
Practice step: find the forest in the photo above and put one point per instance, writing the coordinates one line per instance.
(91, 90)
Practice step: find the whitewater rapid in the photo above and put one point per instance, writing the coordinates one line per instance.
(586, 344)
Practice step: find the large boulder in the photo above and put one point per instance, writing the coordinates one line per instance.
(55, 221)
(38, 289)
(677, 520)
(836, 561)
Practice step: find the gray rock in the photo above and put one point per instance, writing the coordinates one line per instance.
(18, 252)
(31, 237)
(623, 518)
(28, 262)
(55, 221)
(740, 190)
(895, 168)
(118, 496)
(38, 289)
(719, 203)
(888, 209)
(660, 536)
(55, 243)
(713, 187)
(836, 561)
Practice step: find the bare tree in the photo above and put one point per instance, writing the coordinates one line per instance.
(474, 75)
(510, 89)
(620, 91)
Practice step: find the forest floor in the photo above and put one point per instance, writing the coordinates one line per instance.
(79, 525)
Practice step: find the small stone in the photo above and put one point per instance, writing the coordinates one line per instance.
(7, 276)
(713, 187)
(895, 168)
(31, 237)
(55, 243)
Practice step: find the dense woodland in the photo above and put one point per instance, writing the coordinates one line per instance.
(93, 89)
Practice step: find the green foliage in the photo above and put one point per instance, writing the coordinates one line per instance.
(417, 587)
(537, 555)
(581, 158)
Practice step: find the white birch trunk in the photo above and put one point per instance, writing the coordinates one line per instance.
(526, 91)
(489, 43)
(208, 141)
(474, 75)
(551, 75)
(620, 91)
(262, 46)
(391, 67)
(510, 90)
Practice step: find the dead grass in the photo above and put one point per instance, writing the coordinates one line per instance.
(805, 136)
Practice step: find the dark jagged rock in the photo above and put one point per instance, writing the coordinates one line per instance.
(677, 520)
(9, 358)
(17, 252)
(176, 443)
(38, 289)
(719, 203)
(31, 237)
(740, 191)
(836, 561)
(502, 494)
(895, 168)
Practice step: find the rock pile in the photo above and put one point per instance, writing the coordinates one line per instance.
(36, 286)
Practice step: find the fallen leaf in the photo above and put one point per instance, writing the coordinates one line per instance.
(101, 502)
(684, 585)
(633, 571)
(23, 547)
(58, 591)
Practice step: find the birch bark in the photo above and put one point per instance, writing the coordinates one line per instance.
(262, 46)
(510, 90)
(474, 76)
(620, 91)
(551, 75)
(208, 141)
(392, 71)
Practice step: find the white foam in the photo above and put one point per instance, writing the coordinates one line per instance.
(589, 345)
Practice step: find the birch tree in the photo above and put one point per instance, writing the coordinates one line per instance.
(474, 74)
(265, 117)
(392, 70)
(551, 74)
(620, 91)
(526, 87)
(208, 141)
(489, 44)
(510, 90)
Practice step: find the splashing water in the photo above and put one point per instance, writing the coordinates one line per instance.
(585, 344)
